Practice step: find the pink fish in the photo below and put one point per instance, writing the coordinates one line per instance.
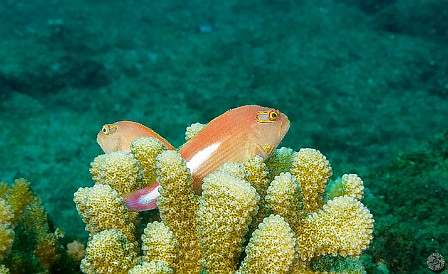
(235, 136)
(120, 135)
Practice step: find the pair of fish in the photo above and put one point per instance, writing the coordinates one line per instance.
(235, 136)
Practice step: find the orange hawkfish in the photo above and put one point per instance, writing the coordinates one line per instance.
(120, 135)
(235, 136)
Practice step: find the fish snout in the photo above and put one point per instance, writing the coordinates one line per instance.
(284, 127)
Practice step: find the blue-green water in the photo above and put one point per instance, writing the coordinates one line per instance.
(362, 81)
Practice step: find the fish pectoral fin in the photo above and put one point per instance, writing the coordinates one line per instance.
(264, 150)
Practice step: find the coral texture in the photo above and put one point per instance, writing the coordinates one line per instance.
(226, 209)
(285, 199)
(271, 248)
(108, 252)
(6, 229)
(117, 169)
(193, 130)
(102, 208)
(160, 244)
(177, 206)
(28, 241)
(343, 226)
(145, 151)
(313, 171)
(153, 267)
(348, 184)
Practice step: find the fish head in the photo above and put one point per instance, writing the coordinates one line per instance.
(109, 137)
(270, 127)
(120, 135)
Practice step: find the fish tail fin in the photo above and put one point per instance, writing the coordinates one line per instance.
(143, 199)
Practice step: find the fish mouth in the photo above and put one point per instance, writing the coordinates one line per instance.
(99, 141)
(284, 127)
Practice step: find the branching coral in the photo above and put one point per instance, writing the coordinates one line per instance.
(271, 248)
(160, 244)
(313, 171)
(177, 206)
(6, 239)
(47, 248)
(285, 199)
(102, 208)
(343, 226)
(226, 209)
(256, 173)
(117, 169)
(280, 161)
(145, 151)
(19, 196)
(108, 252)
(6, 229)
(193, 130)
(28, 242)
(3, 269)
(349, 184)
(307, 222)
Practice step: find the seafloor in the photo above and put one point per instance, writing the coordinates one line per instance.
(363, 81)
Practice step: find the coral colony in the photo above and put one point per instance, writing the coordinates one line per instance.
(280, 215)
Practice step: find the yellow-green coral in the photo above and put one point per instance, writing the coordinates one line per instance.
(313, 172)
(3, 189)
(193, 130)
(159, 243)
(19, 196)
(343, 226)
(348, 185)
(271, 248)
(235, 169)
(6, 228)
(3, 269)
(284, 198)
(280, 161)
(152, 267)
(47, 249)
(145, 151)
(6, 239)
(226, 209)
(102, 208)
(208, 231)
(177, 206)
(256, 173)
(25, 230)
(6, 212)
(117, 169)
(108, 252)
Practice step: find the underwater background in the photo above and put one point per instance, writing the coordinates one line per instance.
(363, 81)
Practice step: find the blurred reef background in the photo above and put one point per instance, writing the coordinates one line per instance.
(363, 81)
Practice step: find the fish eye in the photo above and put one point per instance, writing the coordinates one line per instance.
(273, 114)
(105, 129)
(109, 129)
